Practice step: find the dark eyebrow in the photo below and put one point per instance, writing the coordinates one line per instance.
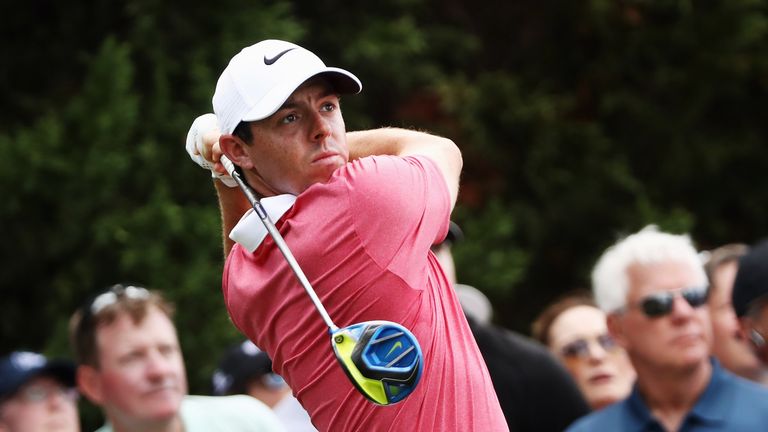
(289, 103)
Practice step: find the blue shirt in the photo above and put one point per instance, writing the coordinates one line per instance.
(729, 403)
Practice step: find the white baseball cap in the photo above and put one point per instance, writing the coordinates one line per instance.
(260, 78)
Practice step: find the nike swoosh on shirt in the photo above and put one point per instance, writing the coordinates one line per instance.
(269, 61)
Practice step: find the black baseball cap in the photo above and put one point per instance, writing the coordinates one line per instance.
(751, 281)
(240, 364)
(17, 368)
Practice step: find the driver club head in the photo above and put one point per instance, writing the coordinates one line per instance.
(382, 359)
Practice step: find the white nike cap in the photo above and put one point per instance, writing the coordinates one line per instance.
(260, 78)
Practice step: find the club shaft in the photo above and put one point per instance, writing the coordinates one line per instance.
(279, 241)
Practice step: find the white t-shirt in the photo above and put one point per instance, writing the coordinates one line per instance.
(238, 413)
(293, 416)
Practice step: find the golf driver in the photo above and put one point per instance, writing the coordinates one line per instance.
(381, 358)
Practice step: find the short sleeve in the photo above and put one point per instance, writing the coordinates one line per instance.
(401, 206)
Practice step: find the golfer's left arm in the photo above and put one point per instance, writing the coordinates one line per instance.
(402, 142)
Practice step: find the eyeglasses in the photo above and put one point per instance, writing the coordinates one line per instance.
(579, 348)
(661, 303)
(36, 393)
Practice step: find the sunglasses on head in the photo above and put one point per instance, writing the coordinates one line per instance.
(108, 298)
(661, 303)
(111, 296)
(579, 348)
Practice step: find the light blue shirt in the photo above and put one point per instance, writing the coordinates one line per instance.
(224, 414)
(729, 403)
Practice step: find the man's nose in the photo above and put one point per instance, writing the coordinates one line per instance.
(681, 309)
(596, 352)
(158, 364)
(321, 127)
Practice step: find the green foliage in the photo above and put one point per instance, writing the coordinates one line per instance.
(578, 122)
(492, 231)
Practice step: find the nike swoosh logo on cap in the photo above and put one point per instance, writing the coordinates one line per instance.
(269, 61)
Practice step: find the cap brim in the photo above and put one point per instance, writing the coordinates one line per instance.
(342, 81)
(61, 370)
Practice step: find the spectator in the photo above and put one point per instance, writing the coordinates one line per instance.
(360, 211)
(575, 330)
(245, 369)
(729, 345)
(534, 390)
(37, 395)
(653, 287)
(131, 365)
(750, 298)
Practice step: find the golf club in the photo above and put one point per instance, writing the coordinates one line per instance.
(383, 359)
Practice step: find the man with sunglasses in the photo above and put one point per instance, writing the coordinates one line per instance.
(130, 364)
(37, 395)
(653, 287)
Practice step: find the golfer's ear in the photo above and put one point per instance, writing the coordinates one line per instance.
(234, 148)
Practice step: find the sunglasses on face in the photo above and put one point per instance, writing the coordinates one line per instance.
(661, 303)
(579, 348)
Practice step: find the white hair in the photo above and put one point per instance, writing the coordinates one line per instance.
(610, 282)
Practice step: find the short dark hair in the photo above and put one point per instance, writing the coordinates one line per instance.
(243, 131)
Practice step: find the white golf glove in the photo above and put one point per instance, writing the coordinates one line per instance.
(203, 125)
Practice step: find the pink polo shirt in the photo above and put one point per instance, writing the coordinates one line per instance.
(363, 240)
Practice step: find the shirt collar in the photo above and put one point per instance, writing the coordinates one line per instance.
(250, 231)
(641, 418)
(711, 407)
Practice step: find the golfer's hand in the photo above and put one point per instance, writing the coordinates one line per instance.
(203, 147)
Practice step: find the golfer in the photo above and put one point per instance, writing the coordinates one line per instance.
(359, 211)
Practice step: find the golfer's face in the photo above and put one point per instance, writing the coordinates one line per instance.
(303, 143)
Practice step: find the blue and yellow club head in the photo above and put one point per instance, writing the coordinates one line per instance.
(383, 359)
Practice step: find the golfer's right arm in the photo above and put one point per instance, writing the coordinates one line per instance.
(233, 205)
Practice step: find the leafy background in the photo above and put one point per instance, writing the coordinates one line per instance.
(579, 122)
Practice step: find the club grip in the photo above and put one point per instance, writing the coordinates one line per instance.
(228, 165)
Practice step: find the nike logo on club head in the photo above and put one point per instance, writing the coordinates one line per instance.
(269, 61)
(396, 345)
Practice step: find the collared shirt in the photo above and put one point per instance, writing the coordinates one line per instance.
(729, 403)
(250, 230)
(363, 241)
